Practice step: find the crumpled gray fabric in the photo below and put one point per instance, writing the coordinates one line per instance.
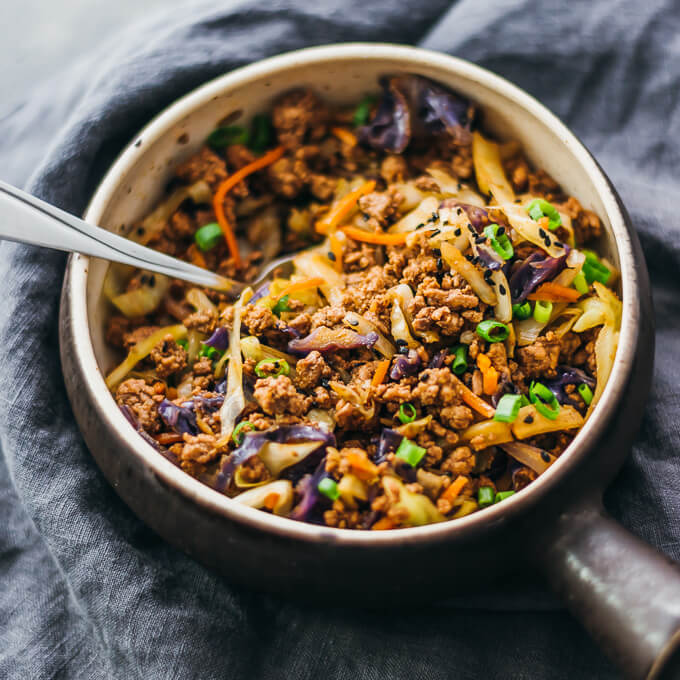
(86, 590)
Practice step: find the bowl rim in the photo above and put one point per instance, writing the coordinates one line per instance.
(217, 503)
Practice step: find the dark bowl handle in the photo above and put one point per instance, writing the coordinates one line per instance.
(624, 592)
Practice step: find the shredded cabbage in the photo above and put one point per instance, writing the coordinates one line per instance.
(529, 455)
(276, 496)
(567, 419)
(363, 326)
(419, 509)
(234, 399)
(421, 215)
(454, 258)
(528, 230)
(143, 300)
(487, 433)
(278, 457)
(489, 169)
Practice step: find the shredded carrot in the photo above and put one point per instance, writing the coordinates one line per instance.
(165, 438)
(345, 136)
(270, 501)
(341, 208)
(379, 238)
(228, 184)
(454, 489)
(361, 466)
(475, 402)
(380, 373)
(554, 292)
(382, 524)
(297, 286)
(336, 249)
(196, 257)
(489, 374)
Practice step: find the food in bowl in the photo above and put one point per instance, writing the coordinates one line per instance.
(445, 331)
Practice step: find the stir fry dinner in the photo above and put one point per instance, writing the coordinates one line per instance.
(445, 329)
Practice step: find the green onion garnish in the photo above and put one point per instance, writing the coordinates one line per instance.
(544, 400)
(183, 343)
(407, 413)
(238, 434)
(485, 496)
(502, 495)
(459, 365)
(522, 311)
(500, 243)
(542, 311)
(586, 393)
(226, 136)
(328, 488)
(539, 207)
(363, 111)
(410, 452)
(594, 270)
(281, 305)
(210, 352)
(580, 283)
(492, 331)
(508, 408)
(208, 236)
(280, 366)
(261, 133)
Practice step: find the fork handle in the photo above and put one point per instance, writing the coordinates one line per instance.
(27, 219)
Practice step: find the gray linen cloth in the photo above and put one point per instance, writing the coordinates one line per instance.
(86, 590)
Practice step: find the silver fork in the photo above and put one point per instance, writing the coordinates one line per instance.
(27, 219)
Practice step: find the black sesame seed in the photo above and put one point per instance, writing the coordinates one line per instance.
(353, 322)
(140, 231)
(435, 233)
(547, 242)
(459, 211)
(518, 200)
(546, 456)
(469, 257)
(366, 216)
(435, 217)
(460, 186)
(471, 228)
(325, 382)
(436, 252)
(487, 275)
(475, 260)
(440, 263)
(152, 280)
(331, 256)
(529, 419)
(559, 244)
(421, 225)
(541, 233)
(424, 376)
(480, 239)
(400, 342)
(403, 349)
(501, 289)
(500, 231)
(458, 232)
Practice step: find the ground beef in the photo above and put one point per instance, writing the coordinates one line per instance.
(288, 177)
(499, 360)
(381, 206)
(540, 358)
(206, 165)
(238, 156)
(142, 400)
(393, 169)
(461, 162)
(203, 366)
(116, 329)
(328, 316)
(299, 115)
(522, 477)
(137, 335)
(180, 225)
(437, 319)
(204, 321)
(322, 186)
(259, 320)
(168, 357)
(278, 395)
(358, 256)
(199, 449)
(542, 184)
(310, 370)
(456, 417)
(454, 299)
(437, 386)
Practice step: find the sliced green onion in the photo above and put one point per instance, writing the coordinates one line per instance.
(238, 434)
(508, 408)
(501, 244)
(280, 365)
(407, 413)
(208, 236)
(580, 283)
(363, 111)
(492, 331)
(460, 364)
(502, 495)
(544, 400)
(410, 452)
(226, 136)
(539, 207)
(542, 311)
(523, 401)
(485, 496)
(586, 393)
(281, 305)
(522, 311)
(182, 342)
(329, 488)
(261, 133)
(594, 270)
(210, 352)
